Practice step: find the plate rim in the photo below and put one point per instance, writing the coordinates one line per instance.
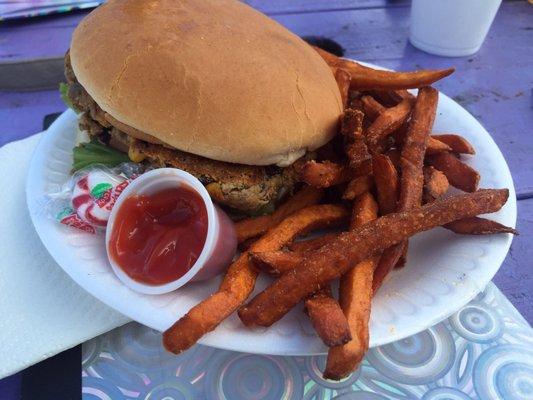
(229, 345)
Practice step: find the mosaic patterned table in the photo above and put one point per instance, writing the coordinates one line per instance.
(495, 90)
(484, 351)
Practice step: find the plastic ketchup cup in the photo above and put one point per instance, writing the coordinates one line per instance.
(215, 254)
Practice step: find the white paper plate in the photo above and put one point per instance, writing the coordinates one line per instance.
(444, 270)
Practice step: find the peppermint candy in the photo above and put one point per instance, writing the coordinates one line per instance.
(94, 195)
(69, 217)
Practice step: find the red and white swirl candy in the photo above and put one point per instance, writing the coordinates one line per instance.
(94, 195)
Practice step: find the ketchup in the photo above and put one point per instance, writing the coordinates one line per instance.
(157, 238)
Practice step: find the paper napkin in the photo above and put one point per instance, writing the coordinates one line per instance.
(42, 310)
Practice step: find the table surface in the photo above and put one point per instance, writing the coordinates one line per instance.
(495, 85)
(483, 351)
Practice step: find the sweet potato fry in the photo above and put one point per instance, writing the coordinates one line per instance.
(399, 134)
(306, 246)
(385, 124)
(323, 174)
(394, 156)
(354, 95)
(388, 260)
(252, 227)
(435, 184)
(366, 78)
(403, 258)
(326, 315)
(414, 148)
(436, 146)
(355, 302)
(365, 209)
(372, 107)
(351, 124)
(327, 318)
(433, 145)
(276, 262)
(240, 278)
(350, 248)
(413, 152)
(391, 98)
(299, 223)
(459, 174)
(386, 178)
(400, 95)
(343, 82)
(354, 141)
(458, 144)
(364, 169)
(478, 226)
(357, 187)
(355, 103)
(355, 296)
(324, 311)
(331, 59)
(245, 245)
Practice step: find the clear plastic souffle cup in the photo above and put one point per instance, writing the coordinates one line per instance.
(220, 244)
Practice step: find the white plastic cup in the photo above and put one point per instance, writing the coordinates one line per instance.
(452, 28)
(220, 244)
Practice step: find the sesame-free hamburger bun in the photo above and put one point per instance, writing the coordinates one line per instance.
(214, 78)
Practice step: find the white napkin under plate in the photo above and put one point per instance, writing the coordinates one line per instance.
(42, 310)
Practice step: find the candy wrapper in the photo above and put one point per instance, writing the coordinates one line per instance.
(86, 201)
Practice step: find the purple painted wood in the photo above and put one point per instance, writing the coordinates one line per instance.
(515, 277)
(50, 36)
(274, 7)
(496, 90)
(22, 113)
(487, 84)
(495, 85)
(39, 38)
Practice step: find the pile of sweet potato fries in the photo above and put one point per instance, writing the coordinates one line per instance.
(383, 179)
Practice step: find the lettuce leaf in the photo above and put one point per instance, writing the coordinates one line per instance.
(63, 92)
(94, 152)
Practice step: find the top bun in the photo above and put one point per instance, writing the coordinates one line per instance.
(213, 77)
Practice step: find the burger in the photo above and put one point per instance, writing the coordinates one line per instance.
(212, 87)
